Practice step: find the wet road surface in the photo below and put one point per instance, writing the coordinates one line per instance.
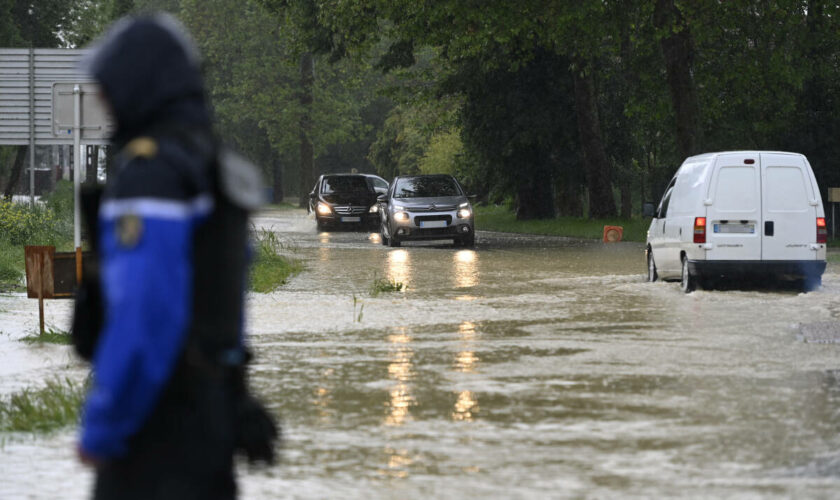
(529, 367)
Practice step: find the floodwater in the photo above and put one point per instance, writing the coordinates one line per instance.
(529, 367)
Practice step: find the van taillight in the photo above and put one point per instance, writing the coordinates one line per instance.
(699, 230)
(822, 231)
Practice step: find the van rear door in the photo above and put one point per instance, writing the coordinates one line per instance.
(789, 208)
(733, 214)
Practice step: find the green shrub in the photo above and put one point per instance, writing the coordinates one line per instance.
(21, 224)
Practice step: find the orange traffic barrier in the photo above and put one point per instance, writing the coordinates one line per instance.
(613, 234)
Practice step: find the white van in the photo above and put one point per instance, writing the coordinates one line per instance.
(736, 215)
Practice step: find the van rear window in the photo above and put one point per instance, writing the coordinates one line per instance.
(785, 189)
(736, 189)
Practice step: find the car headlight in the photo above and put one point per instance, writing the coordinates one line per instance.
(324, 209)
(400, 216)
(373, 209)
(464, 213)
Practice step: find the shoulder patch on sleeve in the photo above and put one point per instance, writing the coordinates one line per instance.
(129, 230)
(142, 147)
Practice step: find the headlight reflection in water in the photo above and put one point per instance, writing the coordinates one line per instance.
(466, 361)
(465, 264)
(401, 371)
(399, 266)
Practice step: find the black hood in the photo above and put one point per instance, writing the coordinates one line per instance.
(149, 71)
(353, 198)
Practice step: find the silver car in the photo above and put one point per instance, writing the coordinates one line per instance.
(426, 207)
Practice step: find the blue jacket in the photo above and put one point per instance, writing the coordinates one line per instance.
(148, 215)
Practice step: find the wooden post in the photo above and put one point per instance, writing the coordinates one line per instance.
(40, 282)
(41, 292)
(78, 265)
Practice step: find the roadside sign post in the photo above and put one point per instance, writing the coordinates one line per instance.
(77, 110)
(47, 100)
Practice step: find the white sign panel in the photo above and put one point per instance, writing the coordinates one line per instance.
(96, 121)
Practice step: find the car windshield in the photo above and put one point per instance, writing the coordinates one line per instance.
(426, 187)
(375, 182)
(345, 184)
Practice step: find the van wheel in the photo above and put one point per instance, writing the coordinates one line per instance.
(687, 284)
(810, 283)
(652, 275)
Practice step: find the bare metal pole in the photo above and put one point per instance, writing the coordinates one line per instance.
(77, 160)
(32, 127)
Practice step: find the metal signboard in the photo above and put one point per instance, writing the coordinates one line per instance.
(27, 79)
(834, 195)
(96, 122)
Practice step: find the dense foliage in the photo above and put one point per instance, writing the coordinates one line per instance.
(577, 108)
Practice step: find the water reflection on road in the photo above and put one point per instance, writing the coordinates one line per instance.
(539, 368)
(529, 368)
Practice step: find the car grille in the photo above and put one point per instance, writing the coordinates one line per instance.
(437, 208)
(437, 231)
(426, 218)
(350, 210)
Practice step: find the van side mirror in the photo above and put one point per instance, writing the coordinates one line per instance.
(382, 197)
(648, 210)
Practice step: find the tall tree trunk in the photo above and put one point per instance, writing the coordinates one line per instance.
(601, 201)
(678, 51)
(570, 201)
(626, 201)
(14, 175)
(535, 194)
(307, 79)
(277, 192)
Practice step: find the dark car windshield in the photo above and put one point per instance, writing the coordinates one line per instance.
(426, 187)
(345, 184)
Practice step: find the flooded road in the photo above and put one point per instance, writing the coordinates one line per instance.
(529, 367)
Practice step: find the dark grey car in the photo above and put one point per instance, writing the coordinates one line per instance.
(426, 207)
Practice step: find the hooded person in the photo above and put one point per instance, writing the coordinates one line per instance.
(161, 419)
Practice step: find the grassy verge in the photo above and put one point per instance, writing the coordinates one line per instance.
(270, 269)
(493, 218)
(50, 336)
(41, 410)
(11, 265)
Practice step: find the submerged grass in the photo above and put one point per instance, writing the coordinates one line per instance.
(499, 218)
(50, 336)
(51, 407)
(385, 285)
(270, 269)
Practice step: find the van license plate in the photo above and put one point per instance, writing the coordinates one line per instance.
(351, 219)
(433, 223)
(735, 228)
